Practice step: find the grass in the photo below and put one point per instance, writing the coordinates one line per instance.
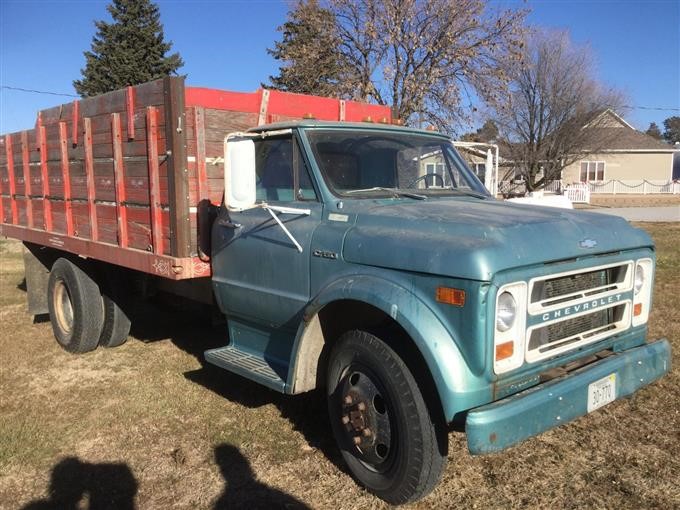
(148, 423)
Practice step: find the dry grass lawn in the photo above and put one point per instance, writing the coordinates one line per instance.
(149, 426)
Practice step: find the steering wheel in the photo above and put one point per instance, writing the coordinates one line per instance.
(424, 177)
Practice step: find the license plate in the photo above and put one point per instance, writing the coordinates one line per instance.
(601, 392)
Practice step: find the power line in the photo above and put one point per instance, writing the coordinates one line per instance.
(38, 91)
(630, 107)
(658, 108)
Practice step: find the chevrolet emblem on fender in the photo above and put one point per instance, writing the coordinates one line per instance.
(587, 243)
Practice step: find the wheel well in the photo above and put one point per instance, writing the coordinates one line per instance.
(341, 316)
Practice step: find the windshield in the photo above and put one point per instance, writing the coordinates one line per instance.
(364, 164)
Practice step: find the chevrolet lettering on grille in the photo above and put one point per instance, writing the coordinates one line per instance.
(582, 307)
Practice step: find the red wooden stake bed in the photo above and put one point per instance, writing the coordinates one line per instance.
(120, 177)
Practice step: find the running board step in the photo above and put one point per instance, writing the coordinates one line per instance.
(249, 366)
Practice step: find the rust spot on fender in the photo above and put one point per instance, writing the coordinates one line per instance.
(492, 437)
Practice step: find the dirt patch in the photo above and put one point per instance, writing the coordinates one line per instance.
(147, 424)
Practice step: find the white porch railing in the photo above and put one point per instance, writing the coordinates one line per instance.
(614, 187)
(640, 187)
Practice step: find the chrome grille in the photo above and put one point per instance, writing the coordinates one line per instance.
(573, 330)
(556, 290)
(577, 308)
(557, 287)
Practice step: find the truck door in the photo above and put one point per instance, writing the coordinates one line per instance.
(259, 273)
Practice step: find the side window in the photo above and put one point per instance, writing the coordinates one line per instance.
(274, 167)
(305, 188)
(274, 160)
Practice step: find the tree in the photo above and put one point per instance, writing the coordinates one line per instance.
(424, 59)
(554, 113)
(654, 131)
(671, 132)
(310, 42)
(129, 51)
(485, 134)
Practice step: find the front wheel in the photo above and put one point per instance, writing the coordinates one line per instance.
(390, 440)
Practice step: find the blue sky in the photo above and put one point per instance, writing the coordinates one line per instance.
(223, 44)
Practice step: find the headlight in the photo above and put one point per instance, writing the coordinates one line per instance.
(639, 278)
(506, 312)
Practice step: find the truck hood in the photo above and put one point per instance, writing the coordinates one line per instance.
(474, 239)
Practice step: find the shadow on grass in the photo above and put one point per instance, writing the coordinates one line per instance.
(192, 331)
(242, 490)
(103, 486)
(76, 484)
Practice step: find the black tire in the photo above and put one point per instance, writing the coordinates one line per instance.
(116, 322)
(76, 307)
(399, 456)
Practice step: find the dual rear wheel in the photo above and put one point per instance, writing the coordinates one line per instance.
(85, 311)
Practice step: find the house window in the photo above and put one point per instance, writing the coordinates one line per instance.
(592, 171)
(480, 170)
(438, 169)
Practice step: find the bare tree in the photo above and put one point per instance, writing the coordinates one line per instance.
(426, 60)
(552, 115)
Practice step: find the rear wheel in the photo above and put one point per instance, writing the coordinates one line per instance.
(386, 433)
(76, 307)
(117, 324)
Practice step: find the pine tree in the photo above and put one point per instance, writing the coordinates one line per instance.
(312, 63)
(128, 51)
(671, 132)
(654, 131)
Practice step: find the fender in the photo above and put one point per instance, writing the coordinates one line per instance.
(458, 388)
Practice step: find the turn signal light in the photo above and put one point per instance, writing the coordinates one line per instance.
(505, 350)
(455, 297)
(637, 309)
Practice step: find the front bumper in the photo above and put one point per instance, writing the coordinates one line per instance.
(501, 424)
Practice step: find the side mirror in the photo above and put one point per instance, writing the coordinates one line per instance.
(239, 172)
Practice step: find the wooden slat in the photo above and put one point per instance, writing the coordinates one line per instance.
(9, 149)
(74, 122)
(44, 176)
(119, 179)
(89, 176)
(130, 110)
(66, 177)
(26, 160)
(178, 173)
(154, 173)
(199, 127)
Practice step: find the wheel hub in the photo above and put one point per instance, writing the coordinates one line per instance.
(63, 308)
(365, 419)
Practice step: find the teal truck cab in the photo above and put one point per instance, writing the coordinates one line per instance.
(368, 260)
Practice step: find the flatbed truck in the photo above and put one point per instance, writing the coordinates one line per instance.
(363, 259)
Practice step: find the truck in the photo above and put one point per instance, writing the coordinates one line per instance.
(349, 254)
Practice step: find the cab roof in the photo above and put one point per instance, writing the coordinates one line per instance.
(313, 123)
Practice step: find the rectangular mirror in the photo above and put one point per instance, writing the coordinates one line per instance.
(239, 171)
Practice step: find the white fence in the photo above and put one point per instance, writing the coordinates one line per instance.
(578, 193)
(644, 187)
(639, 187)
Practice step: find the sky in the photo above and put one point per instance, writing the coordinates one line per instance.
(224, 44)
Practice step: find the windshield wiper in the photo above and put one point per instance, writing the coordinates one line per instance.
(397, 192)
